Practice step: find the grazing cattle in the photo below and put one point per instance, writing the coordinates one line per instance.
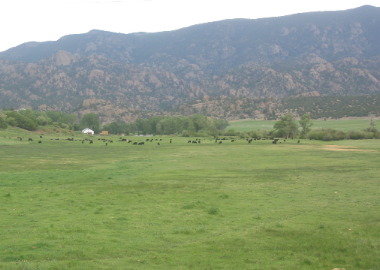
(275, 141)
(220, 142)
(39, 141)
(158, 143)
(141, 143)
(91, 141)
(30, 139)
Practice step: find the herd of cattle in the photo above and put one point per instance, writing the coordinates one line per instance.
(157, 141)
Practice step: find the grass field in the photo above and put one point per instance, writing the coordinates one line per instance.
(73, 205)
(338, 124)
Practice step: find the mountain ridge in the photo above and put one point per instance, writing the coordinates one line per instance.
(316, 53)
(170, 40)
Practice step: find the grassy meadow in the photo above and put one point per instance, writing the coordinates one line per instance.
(338, 124)
(179, 205)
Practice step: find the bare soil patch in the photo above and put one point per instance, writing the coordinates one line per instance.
(344, 148)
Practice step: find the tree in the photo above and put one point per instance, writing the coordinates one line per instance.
(200, 122)
(22, 120)
(220, 124)
(169, 125)
(305, 123)
(91, 120)
(286, 127)
(372, 125)
(3, 123)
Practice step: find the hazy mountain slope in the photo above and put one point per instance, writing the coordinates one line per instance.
(322, 53)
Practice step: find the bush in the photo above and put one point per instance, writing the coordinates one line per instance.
(3, 123)
(259, 134)
(356, 135)
(335, 135)
(230, 132)
(22, 120)
(326, 135)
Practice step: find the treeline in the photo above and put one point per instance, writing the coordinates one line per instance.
(336, 135)
(32, 120)
(289, 127)
(195, 125)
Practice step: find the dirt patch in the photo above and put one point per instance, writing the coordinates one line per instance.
(344, 148)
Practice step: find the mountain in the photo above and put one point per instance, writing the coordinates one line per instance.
(198, 68)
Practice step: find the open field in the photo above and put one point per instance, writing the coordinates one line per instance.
(73, 205)
(338, 124)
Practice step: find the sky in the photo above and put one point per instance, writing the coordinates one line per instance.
(48, 20)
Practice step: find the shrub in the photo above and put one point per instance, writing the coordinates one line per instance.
(213, 211)
(326, 135)
(3, 123)
(230, 132)
(335, 135)
(22, 120)
(356, 135)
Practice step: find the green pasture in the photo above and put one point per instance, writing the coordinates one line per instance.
(73, 205)
(338, 124)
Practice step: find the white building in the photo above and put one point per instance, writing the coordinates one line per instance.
(88, 131)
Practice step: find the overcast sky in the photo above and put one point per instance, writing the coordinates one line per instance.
(48, 20)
